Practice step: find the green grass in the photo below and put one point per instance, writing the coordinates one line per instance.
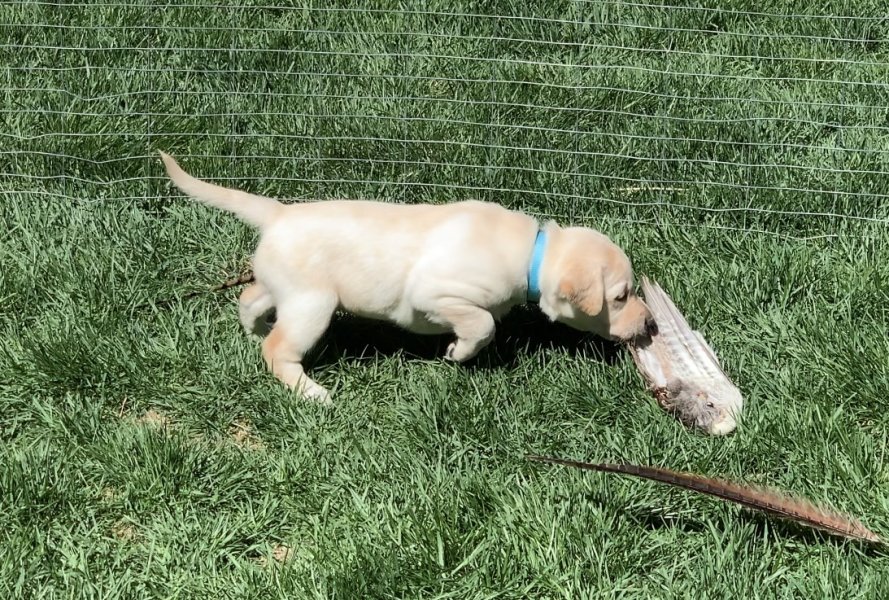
(414, 484)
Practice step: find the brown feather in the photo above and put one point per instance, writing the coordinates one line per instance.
(766, 500)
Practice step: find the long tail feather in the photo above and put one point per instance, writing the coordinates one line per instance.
(769, 501)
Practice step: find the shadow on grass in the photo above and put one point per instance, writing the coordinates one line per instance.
(763, 525)
(522, 332)
(653, 521)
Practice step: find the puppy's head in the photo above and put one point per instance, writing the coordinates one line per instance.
(591, 288)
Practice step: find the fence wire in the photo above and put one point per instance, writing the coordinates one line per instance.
(728, 118)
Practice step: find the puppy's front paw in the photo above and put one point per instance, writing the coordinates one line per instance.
(460, 351)
(314, 392)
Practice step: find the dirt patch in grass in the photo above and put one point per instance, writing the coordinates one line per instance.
(281, 554)
(242, 434)
(124, 531)
(154, 418)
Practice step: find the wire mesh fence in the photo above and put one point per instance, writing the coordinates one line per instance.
(734, 118)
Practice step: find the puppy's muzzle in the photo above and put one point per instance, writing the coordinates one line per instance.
(650, 327)
(649, 330)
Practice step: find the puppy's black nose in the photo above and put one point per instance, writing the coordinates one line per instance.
(650, 326)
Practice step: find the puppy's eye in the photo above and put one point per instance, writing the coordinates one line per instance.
(623, 296)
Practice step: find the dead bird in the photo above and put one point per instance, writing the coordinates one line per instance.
(682, 370)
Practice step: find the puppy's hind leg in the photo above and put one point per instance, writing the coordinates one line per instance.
(256, 309)
(474, 327)
(301, 322)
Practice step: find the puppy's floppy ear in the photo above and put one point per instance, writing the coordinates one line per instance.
(584, 287)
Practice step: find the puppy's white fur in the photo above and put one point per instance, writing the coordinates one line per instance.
(428, 268)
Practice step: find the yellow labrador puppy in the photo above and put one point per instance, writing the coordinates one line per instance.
(428, 268)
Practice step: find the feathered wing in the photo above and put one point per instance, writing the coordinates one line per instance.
(654, 367)
(758, 498)
(691, 356)
(663, 357)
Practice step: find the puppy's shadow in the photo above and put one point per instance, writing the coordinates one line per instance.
(523, 331)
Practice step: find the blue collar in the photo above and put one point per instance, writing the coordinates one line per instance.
(534, 269)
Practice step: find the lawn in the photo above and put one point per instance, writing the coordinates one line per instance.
(740, 158)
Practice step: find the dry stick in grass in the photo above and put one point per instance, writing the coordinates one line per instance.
(763, 499)
(242, 279)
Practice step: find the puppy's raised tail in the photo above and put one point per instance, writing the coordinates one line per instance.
(259, 211)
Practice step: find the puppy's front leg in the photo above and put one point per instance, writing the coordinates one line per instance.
(474, 327)
(301, 322)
